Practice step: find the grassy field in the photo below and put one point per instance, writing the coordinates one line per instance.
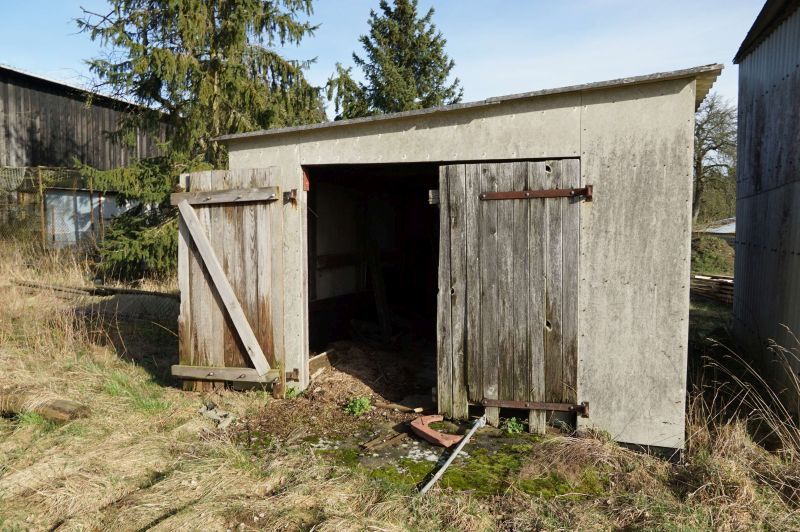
(145, 458)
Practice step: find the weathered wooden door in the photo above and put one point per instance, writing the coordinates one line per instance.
(231, 273)
(508, 285)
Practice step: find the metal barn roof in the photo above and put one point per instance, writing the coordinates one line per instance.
(772, 14)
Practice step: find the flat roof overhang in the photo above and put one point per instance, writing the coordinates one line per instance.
(705, 76)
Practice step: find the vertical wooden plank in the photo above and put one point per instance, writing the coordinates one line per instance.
(520, 323)
(185, 347)
(473, 306)
(537, 250)
(200, 298)
(554, 378)
(457, 190)
(505, 283)
(263, 247)
(570, 242)
(247, 290)
(226, 242)
(232, 244)
(278, 290)
(444, 374)
(488, 294)
(213, 325)
(215, 229)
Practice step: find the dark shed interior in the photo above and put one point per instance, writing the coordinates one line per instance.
(373, 248)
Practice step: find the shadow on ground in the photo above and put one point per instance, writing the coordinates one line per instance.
(142, 329)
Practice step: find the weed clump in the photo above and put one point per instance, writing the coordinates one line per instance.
(513, 426)
(358, 406)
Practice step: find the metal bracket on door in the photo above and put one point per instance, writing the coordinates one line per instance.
(585, 192)
(580, 409)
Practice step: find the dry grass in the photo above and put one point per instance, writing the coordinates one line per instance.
(145, 459)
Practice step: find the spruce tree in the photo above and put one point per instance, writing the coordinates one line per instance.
(202, 68)
(405, 66)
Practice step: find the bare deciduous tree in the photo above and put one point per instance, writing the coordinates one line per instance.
(714, 145)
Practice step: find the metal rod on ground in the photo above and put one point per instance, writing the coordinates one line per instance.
(480, 422)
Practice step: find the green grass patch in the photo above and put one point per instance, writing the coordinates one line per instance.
(144, 396)
(35, 421)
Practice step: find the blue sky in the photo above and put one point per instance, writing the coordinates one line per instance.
(500, 47)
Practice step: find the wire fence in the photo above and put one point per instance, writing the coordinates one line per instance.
(53, 207)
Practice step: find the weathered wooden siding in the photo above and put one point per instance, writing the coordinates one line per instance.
(767, 288)
(249, 242)
(635, 147)
(43, 123)
(508, 286)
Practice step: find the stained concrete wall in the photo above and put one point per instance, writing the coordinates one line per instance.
(767, 288)
(635, 146)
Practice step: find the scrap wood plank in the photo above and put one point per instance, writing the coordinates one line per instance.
(14, 401)
(224, 288)
(320, 363)
(384, 440)
(400, 408)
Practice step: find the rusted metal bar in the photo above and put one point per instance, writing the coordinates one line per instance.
(480, 422)
(586, 192)
(580, 409)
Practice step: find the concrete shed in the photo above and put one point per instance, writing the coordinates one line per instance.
(767, 288)
(541, 239)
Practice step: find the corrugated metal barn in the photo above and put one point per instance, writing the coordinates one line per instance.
(544, 238)
(767, 288)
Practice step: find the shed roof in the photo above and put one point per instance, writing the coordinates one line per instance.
(705, 76)
(772, 14)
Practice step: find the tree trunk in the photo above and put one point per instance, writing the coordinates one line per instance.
(699, 185)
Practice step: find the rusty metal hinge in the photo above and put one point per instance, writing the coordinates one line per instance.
(581, 409)
(293, 375)
(290, 197)
(586, 192)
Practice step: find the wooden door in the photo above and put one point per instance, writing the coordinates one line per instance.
(508, 285)
(231, 272)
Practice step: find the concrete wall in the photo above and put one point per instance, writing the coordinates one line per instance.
(767, 288)
(635, 145)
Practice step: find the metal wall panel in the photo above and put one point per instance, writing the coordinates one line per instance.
(767, 288)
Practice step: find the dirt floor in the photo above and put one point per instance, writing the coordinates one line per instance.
(151, 456)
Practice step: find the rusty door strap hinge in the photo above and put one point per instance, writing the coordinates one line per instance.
(581, 409)
(586, 192)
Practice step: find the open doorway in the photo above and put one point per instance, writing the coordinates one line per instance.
(373, 251)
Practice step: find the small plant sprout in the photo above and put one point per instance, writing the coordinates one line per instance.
(358, 406)
(291, 393)
(513, 426)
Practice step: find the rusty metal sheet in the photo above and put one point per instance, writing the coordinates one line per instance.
(581, 409)
(586, 192)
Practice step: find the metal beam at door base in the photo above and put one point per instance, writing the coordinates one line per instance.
(580, 409)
